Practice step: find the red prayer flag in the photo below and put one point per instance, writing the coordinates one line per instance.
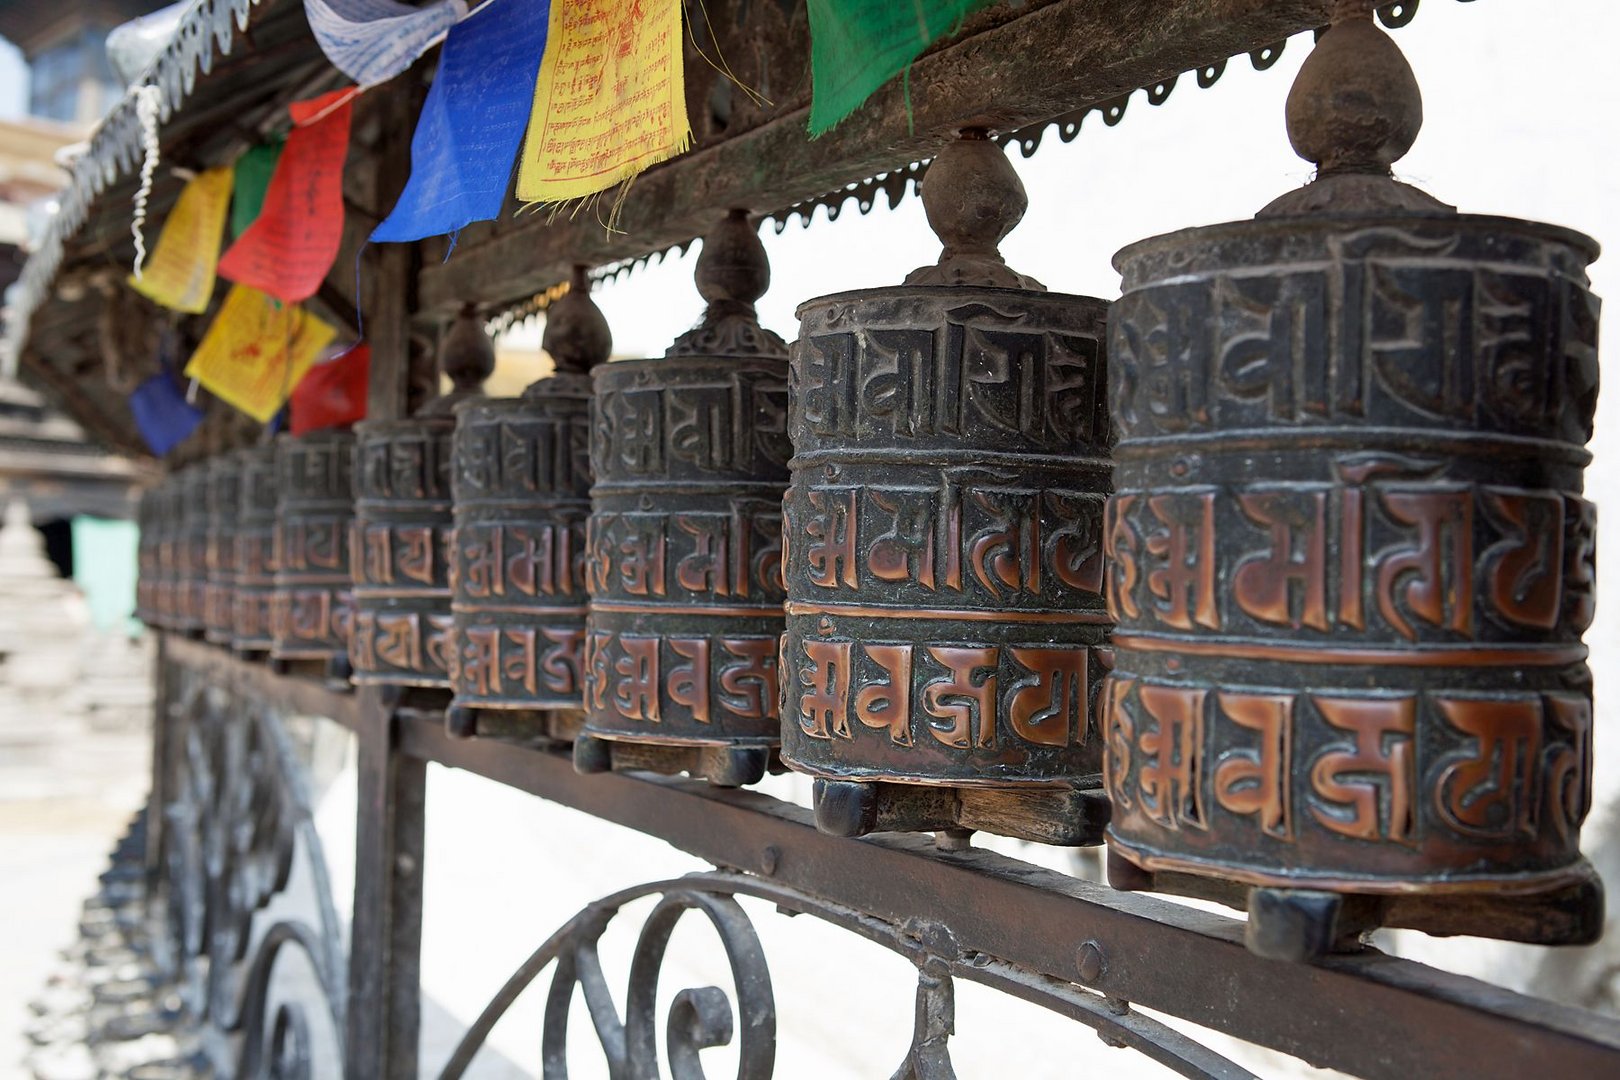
(333, 393)
(288, 249)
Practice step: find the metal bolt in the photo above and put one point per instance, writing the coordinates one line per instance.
(768, 859)
(1091, 963)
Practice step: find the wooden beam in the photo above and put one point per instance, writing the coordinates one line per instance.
(1047, 62)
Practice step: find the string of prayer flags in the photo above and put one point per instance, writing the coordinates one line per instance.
(610, 100)
(291, 245)
(257, 350)
(472, 123)
(371, 41)
(162, 415)
(858, 45)
(253, 171)
(180, 272)
(332, 394)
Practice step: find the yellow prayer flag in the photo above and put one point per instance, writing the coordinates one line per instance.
(180, 272)
(257, 350)
(610, 100)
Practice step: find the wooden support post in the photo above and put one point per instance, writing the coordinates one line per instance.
(385, 944)
(384, 1008)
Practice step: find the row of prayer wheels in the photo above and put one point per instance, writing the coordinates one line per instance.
(1274, 571)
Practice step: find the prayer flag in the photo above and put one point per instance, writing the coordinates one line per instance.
(288, 249)
(472, 123)
(858, 45)
(610, 101)
(180, 273)
(371, 41)
(162, 414)
(253, 171)
(332, 394)
(257, 350)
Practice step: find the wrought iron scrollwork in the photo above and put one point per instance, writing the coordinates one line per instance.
(238, 819)
(700, 1018)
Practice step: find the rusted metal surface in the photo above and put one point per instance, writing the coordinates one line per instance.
(224, 507)
(945, 617)
(255, 549)
(1349, 553)
(314, 516)
(521, 481)
(689, 454)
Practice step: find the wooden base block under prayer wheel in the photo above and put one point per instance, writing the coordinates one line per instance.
(522, 483)
(313, 597)
(255, 551)
(943, 533)
(683, 560)
(1349, 553)
(401, 634)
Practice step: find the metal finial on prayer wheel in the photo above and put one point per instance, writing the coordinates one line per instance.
(1349, 553)
(943, 537)
(224, 507)
(255, 550)
(521, 481)
(314, 515)
(400, 563)
(689, 454)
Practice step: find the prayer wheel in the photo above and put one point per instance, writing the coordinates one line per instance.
(255, 549)
(683, 554)
(315, 509)
(224, 504)
(946, 631)
(400, 565)
(166, 534)
(147, 518)
(1349, 554)
(191, 551)
(521, 481)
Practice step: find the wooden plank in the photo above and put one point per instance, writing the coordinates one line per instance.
(1040, 65)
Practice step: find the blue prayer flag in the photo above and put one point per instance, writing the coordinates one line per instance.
(473, 122)
(162, 413)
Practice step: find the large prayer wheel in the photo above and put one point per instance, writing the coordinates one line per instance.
(1349, 553)
(521, 481)
(255, 544)
(224, 502)
(946, 627)
(400, 564)
(191, 551)
(689, 454)
(315, 510)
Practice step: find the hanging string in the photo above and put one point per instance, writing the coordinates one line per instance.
(148, 100)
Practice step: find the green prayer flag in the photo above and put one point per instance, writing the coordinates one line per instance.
(858, 45)
(253, 171)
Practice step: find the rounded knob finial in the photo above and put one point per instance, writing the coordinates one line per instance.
(732, 270)
(973, 198)
(1355, 106)
(467, 356)
(576, 334)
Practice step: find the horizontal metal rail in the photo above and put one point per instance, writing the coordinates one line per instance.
(1367, 1014)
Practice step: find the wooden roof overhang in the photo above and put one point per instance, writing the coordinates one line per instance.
(235, 64)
